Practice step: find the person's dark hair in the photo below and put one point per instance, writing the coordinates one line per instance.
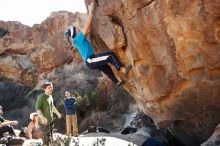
(46, 84)
(65, 93)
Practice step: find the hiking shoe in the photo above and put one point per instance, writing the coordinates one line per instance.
(128, 68)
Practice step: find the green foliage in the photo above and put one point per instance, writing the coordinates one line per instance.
(82, 103)
(58, 99)
(93, 98)
(86, 103)
(99, 142)
(3, 32)
(65, 141)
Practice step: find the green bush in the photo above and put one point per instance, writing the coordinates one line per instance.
(86, 103)
(82, 104)
(57, 98)
(93, 99)
(99, 142)
(3, 32)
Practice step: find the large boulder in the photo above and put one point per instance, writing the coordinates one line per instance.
(174, 47)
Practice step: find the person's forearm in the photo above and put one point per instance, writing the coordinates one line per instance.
(30, 134)
(5, 123)
(40, 113)
(90, 17)
(55, 110)
(88, 23)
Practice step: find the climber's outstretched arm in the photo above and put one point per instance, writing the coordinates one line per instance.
(87, 27)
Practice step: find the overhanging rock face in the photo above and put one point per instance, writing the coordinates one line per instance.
(174, 47)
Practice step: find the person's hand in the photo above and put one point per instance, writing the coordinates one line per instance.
(91, 7)
(14, 123)
(44, 120)
(59, 115)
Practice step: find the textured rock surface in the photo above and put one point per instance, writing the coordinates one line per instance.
(26, 52)
(174, 46)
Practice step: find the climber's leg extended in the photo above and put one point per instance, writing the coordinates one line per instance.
(107, 70)
(104, 58)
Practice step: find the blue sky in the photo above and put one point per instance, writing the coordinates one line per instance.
(31, 12)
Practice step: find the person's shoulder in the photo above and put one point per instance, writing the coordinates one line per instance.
(31, 124)
(73, 97)
(79, 36)
(80, 33)
(41, 96)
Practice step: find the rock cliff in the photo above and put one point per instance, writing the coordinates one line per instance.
(27, 52)
(173, 45)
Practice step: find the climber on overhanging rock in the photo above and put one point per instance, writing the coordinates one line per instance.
(77, 39)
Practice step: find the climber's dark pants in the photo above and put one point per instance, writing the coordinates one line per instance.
(100, 61)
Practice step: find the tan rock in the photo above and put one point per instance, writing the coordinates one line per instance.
(173, 46)
(26, 52)
(175, 51)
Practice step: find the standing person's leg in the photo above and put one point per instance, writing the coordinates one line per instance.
(74, 124)
(68, 125)
(51, 128)
(46, 133)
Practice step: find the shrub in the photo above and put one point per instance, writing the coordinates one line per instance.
(61, 140)
(85, 103)
(3, 32)
(99, 142)
(95, 119)
(93, 99)
(57, 98)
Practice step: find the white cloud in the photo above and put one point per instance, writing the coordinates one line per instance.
(30, 12)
